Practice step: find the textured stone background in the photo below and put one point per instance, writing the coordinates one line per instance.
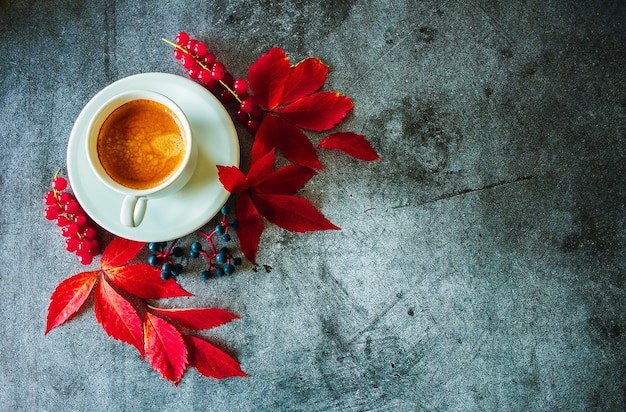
(480, 265)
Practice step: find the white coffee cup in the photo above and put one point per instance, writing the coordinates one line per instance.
(135, 201)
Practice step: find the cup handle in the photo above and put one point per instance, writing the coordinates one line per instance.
(133, 210)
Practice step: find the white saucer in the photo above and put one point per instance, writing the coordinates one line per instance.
(194, 205)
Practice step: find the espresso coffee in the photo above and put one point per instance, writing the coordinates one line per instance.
(141, 144)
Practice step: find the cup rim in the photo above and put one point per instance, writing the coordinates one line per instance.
(101, 115)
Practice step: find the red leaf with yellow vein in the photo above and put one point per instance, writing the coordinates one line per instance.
(145, 281)
(119, 252)
(118, 316)
(306, 77)
(196, 318)
(318, 112)
(267, 77)
(164, 347)
(69, 297)
(210, 360)
(352, 144)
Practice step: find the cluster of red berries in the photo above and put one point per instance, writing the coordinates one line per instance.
(203, 66)
(62, 207)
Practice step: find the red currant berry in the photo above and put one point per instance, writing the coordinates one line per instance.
(199, 49)
(256, 112)
(240, 86)
(209, 59)
(191, 45)
(71, 244)
(218, 70)
(85, 258)
(51, 212)
(225, 96)
(248, 105)
(50, 198)
(228, 80)
(181, 38)
(95, 247)
(84, 246)
(69, 230)
(63, 221)
(80, 219)
(253, 126)
(89, 233)
(65, 197)
(59, 183)
(71, 207)
(178, 53)
(242, 117)
(188, 61)
(194, 72)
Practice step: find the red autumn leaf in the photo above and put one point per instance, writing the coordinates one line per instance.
(261, 168)
(119, 252)
(318, 112)
(164, 347)
(285, 181)
(69, 297)
(145, 281)
(197, 319)
(211, 361)
(306, 77)
(291, 213)
(291, 141)
(250, 227)
(267, 77)
(118, 316)
(352, 144)
(232, 179)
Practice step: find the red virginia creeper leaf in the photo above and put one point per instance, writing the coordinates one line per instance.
(69, 297)
(291, 141)
(145, 281)
(250, 227)
(165, 347)
(306, 77)
(352, 144)
(285, 181)
(119, 252)
(267, 77)
(232, 179)
(262, 168)
(118, 316)
(291, 213)
(197, 319)
(320, 111)
(211, 361)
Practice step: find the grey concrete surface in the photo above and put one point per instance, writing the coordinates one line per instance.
(480, 265)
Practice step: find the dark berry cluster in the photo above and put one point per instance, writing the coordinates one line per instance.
(203, 66)
(220, 262)
(80, 234)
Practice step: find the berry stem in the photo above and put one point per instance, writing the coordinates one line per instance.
(205, 67)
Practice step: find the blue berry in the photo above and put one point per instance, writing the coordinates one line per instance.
(221, 258)
(177, 269)
(194, 254)
(206, 275)
(167, 267)
(220, 230)
(153, 260)
(154, 247)
(229, 269)
(226, 238)
(166, 275)
(225, 210)
(234, 224)
(219, 272)
(196, 247)
(177, 251)
(237, 261)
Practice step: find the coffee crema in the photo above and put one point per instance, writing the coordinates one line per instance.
(141, 144)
